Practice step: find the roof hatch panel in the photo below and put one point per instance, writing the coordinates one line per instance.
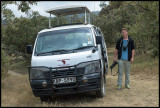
(68, 10)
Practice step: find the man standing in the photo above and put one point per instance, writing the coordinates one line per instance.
(125, 49)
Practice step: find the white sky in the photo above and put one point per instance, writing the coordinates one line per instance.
(44, 5)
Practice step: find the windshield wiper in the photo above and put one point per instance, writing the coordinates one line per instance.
(83, 47)
(54, 51)
(62, 50)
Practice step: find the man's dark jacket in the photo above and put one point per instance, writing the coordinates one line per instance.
(130, 47)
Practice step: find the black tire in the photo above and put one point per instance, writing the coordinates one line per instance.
(105, 69)
(45, 98)
(101, 93)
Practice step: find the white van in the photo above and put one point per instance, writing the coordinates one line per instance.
(68, 59)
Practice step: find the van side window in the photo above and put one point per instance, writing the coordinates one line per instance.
(99, 32)
(103, 40)
(95, 32)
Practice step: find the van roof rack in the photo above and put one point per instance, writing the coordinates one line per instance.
(68, 24)
(68, 10)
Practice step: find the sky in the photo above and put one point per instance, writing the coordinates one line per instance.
(44, 5)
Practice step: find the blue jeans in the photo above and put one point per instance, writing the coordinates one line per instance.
(121, 64)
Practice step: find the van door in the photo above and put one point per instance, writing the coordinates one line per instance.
(104, 49)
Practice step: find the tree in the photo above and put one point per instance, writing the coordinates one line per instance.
(141, 18)
(146, 26)
(23, 6)
(9, 18)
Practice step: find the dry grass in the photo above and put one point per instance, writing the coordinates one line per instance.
(144, 91)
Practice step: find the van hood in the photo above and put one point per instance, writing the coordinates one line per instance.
(63, 60)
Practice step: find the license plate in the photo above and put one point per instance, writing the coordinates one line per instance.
(64, 80)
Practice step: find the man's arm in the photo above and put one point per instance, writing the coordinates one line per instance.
(132, 56)
(115, 54)
(132, 48)
(116, 51)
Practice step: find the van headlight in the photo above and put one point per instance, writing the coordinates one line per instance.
(90, 67)
(38, 73)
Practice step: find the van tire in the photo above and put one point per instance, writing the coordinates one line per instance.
(101, 93)
(45, 98)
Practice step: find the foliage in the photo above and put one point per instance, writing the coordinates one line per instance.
(5, 62)
(24, 31)
(141, 18)
(22, 5)
(9, 41)
(146, 28)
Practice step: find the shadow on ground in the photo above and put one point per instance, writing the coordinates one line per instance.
(68, 99)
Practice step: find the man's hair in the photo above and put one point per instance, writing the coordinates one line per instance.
(125, 29)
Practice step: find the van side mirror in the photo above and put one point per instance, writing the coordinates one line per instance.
(98, 39)
(29, 49)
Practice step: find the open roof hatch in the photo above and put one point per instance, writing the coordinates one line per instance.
(68, 10)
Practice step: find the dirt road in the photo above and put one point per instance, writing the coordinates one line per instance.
(144, 81)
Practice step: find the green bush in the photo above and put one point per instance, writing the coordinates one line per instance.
(155, 53)
(5, 62)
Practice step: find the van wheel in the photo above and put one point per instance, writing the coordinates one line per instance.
(101, 93)
(45, 98)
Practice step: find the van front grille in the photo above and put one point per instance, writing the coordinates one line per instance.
(63, 73)
(67, 72)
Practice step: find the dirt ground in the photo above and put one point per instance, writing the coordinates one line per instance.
(144, 92)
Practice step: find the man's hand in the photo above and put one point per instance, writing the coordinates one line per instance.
(114, 60)
(131, 60)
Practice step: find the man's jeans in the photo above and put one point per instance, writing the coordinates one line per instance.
(121, 64)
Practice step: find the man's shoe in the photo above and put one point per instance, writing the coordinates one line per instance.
(119, 87)
(127, 86)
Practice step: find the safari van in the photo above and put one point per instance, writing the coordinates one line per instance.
(68, 58)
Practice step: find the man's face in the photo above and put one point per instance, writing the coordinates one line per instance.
(124, 33)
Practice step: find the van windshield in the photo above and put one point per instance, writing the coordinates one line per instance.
(67, 39)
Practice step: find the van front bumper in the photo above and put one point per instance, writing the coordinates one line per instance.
(92, 84)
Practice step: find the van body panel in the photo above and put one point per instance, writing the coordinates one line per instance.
(70, 59)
